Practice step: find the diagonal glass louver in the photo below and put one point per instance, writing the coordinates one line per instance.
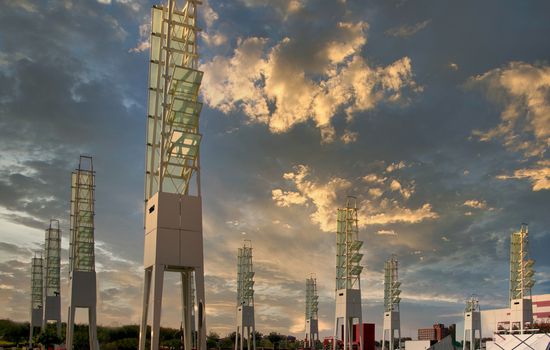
(52, 259)
(245, 276)
(391, 285)
(173, 138)
(348, 257)
(521, 266)
(82, 256)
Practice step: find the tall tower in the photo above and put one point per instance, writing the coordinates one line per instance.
(391, 303)
(82, 276)
(52, 262)
(521, 280)
(173, 205)
(312, 310)
(472, 324)
(348, 276)
(245, 298)
(36, 294)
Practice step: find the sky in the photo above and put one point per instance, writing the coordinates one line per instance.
(434, 114)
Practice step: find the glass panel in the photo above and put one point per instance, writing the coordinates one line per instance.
(156, 15)
(151, 103)
(155, 47)
(153, 74)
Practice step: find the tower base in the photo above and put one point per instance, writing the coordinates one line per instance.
(312, 332)
(521, 313)
(391, 326)
(52, 312)
(173, 243)
(83, 295)
(245, 327)
(348, 313)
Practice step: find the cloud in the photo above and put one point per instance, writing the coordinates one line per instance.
(215, 39)
(406, 31)
(373, 178)
(322, 195)
(349, 136)
(287, 198)
(474, 203)
(522, 89)
(405, 192)
(396, 166)
(376, 192)
(538, 175)
(327, 196)
(386, 233)
(273, 85)
(397, 213)
(144, 32)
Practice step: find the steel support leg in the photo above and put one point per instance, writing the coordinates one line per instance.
(157, 284)
(144, 308)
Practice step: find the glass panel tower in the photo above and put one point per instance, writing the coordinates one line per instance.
(348, 276)
(173, 204)
(82, 276)
(52, 265)
(312, 313)
(521, 280)
(391, 304)
(472, 324)
(37, 296)
(245, 298)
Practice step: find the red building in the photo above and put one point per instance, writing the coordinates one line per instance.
(436, 333)
(368, 336)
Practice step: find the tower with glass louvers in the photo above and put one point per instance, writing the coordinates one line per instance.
(348, 276)
(521, 280)
(173, 209)
(52, 265)
(312, 310)
(36, 294)
(391, 304)
(245, 299)
(82, 275)
(472, 324)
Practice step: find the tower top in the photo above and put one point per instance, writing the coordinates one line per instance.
(472, 304)
(245, 275)
(392, 291)
(173, 136)
(348, 245)
(521, 265)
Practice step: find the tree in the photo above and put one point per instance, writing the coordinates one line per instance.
(212, 340)
(275, 337)
(48, 337)
(543, 327)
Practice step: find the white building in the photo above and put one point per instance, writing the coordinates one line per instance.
(492, 319)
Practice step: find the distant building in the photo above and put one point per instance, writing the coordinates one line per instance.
(436, 333)
(499, 319)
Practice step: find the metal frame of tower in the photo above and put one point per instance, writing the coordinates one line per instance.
(521, 280)
(472, 323)
(391, 303)
(82, 275)
(52, 268)
(348, 276)
(37, 290)
(173, 204)
(312, 313)
(245, 298)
